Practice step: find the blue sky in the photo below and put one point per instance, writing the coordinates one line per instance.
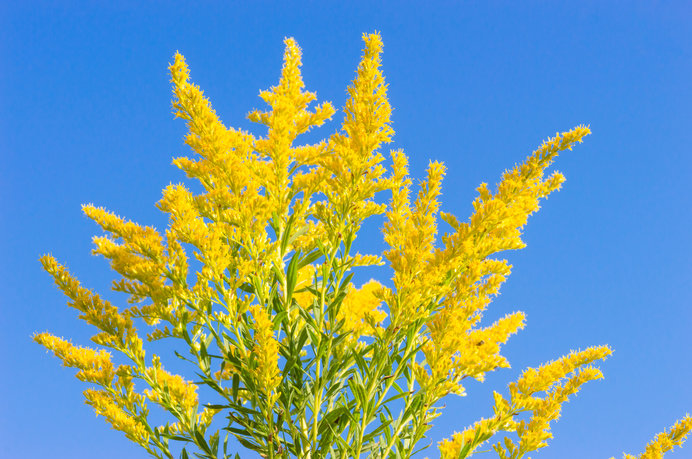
(85, 117)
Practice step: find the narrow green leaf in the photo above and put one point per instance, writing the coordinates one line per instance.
(292, 276)
(309, 258)
(234, 389)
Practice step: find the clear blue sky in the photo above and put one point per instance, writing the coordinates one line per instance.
(85, 117)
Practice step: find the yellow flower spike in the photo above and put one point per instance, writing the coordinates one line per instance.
(229, 170)
(94, 366)
(666, 441)
(479, 352)
(288, 118)
(208, 136)
(105, 405)
(181, 394)
(140, 259)
(465, 443)
(266, 352)
(95, 311)
(498, 218)
(142, 240)
(540, 379)
(367, 122)
(410, 233)
(534, 434)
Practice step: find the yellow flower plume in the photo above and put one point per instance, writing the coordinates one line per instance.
(94, 366)
(265, 352)
(666, 441)
(360, 310)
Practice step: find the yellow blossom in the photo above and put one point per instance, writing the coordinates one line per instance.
(106, 406)
(288, 118)
(559, 379)
(170, 389)
(666, 441)
(94, 366)
(265, 352)
(535, 380)
(118, 330)
(360, 310)
(367, 110)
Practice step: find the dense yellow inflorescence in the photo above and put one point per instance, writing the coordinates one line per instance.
(666, 441)
(170, 389)
(557, 380)
(266, 352)
(360, 310)
(94, 366)
(103, 403)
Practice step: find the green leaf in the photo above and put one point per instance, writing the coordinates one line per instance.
(292, 276)
(309, 258)
(234, 389)
(274, 224)
(225, 447)
(246, 287)
(279, 318)
(346, 281)
(200, 438)
(287, 234)
(184, 358)
(248, 444)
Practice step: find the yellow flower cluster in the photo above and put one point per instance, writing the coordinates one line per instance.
(666, 441)
(141, 256)
(498, 218)
(223, 150)
(117, 329)
(265, 353)
(452, 285)
(94, 366)
(288, 118)
(535, 380)
(360, 310)
(467, 353)
(352, 173)
(367, 110)
(97, 367)
(105, 405)
(169, 389)
(232, 213)
(558, 379)
(410, 233)
(463, 444)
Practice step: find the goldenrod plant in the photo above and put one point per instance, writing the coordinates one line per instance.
(302, 362)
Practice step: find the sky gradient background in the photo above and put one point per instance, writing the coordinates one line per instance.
(85, 117)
